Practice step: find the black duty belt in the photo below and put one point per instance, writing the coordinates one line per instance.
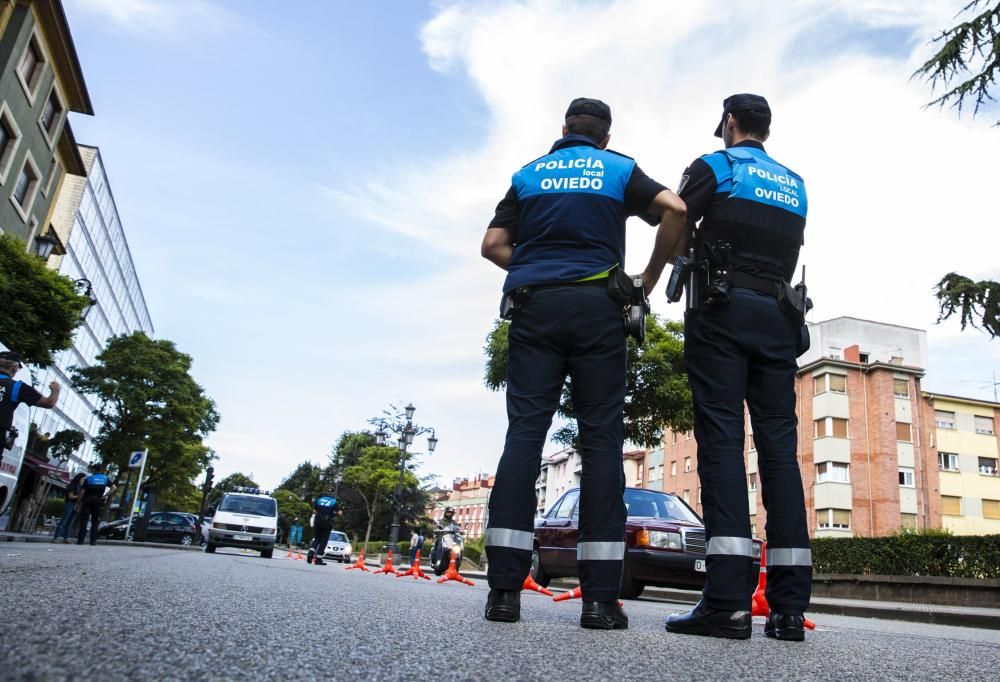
(763, 285)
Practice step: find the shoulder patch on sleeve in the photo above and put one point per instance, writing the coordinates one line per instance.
(683, 182)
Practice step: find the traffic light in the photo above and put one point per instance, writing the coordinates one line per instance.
(209, 476)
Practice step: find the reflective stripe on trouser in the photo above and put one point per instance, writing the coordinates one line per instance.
(746, 351)
(575, 330)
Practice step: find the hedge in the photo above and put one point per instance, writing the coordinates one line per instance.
(917, 554)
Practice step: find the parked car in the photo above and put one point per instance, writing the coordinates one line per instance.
(664, 542)
(338, 547)
(171, 527)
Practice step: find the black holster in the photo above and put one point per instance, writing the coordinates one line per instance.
(512, 300)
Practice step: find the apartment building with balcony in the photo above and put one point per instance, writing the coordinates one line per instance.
(866, 435)
(965, 438)
(470, 498)
(40, 82)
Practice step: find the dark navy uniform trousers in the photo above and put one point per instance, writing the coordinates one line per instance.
(746, 350)
(570, 330)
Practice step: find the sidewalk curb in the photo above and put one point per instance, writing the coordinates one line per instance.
(10, 537)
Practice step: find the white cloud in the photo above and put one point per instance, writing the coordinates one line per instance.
(899, 195)
(158, 16)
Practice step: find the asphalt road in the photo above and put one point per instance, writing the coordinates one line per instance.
(110, 613)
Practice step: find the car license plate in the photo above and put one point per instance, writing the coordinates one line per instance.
(248, 538)
(699, 565)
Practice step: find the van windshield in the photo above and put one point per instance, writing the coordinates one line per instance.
(246, 504)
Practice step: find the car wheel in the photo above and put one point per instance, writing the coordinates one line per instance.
(631, 588)
(537, 572)
(266, 553)
(186, 540)
(209, 548)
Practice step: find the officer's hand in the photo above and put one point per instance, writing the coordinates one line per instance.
(54, 386)
(648, 283)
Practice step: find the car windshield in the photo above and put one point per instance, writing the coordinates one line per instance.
(650, 504)
(246, 504)
(337, 537)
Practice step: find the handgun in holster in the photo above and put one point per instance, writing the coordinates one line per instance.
(512, 300)
(635, 319)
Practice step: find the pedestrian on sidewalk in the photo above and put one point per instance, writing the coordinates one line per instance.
(72, 502)
(96, 488)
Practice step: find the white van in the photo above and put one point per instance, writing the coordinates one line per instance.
(246, 518)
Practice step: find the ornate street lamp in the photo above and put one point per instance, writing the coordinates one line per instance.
(85, 288)
(432, 442)
(44, 244)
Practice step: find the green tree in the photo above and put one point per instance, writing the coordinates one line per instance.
(307, 481)
(656, 393)
(967, 62)
(976, 303)
(291, 507)
(347, 451)
(148, 399)
(41, 308)
(228, 485)
(374, 478)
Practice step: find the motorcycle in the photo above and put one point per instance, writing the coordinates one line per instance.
(448, 541)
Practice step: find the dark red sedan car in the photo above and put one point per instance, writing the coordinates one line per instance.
(664, 543)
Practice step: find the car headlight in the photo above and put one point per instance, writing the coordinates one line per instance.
(665, 540)
(270, 531)
(220, 526)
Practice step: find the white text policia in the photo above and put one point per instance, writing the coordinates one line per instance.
(590, 167)
(788, 185)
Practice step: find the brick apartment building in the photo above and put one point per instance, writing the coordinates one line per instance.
(470, 498)
(868, 441)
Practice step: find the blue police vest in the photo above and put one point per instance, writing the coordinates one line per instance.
(9, 399)
(763, 217)
(324, 508)
(97, 481)
(572, 214)
(326, 501)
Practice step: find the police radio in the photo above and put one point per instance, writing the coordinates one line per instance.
(10, 438)
(678, 277)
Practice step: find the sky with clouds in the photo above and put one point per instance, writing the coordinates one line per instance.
(305, 189)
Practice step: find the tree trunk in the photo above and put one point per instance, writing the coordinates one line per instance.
(371, 520)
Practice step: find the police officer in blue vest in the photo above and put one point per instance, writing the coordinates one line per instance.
(743, 331)
(324, 510)
(97, 487)
(14, 393)
(560, 235)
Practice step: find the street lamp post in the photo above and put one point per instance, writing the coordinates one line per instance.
(406, 432)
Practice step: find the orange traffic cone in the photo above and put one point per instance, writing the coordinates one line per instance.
(414, 569)
(759, 601)
(360, 563)
(453, 574)
(530, 584)
(289, 555)
(387, 567)
(575, 593)
(298, 555)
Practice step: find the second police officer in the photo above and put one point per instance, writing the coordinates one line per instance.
(96, 489)
(560, 234)
(324, 509)
(743, 331)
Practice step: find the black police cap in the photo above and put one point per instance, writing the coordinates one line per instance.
(11, 356)
(741, 102)
(590, 107)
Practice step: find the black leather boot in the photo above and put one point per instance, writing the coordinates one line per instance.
(702, 620)
(788, 628)
(603, 615)
(503, 606)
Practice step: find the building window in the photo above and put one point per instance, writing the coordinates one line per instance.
(832, 472)
(674, 437)
(984, 425)
(687, 464)
(905, 477)
(753, 524)
(51, 116)
(753, 443)
(863, 358)
(835, 383)
(29, 71)
(820, 425)
(833, 518)
(991, 509)
(988, 466)
(752, 482)
(673, 468)
(948, 461)
(26, 187)
(54, 168)
(903, 433)
(952, 506)
(908, 521)
(901, 388)
(10, 137)
(687, 495)
(944, 420)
